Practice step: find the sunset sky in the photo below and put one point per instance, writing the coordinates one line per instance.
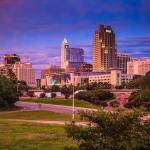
(37, 27)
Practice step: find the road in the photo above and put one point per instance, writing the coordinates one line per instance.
(29, 106)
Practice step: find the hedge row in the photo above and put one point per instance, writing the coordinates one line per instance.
(97, 97)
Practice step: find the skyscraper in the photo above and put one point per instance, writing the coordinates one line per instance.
(104, 48)
(71, 56)
(64, 47)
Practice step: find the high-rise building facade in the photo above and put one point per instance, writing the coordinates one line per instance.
(10, 59)
(64, 47)
(104, 49)
(138, 66)
(70, 56)
(75, 55)
(25, 72)
(122, 60)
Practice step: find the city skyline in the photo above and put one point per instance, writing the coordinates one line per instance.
(39, 35)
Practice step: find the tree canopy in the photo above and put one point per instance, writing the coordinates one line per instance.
(8, 91)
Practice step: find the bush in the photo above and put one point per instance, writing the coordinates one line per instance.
(42, 95)
(53, 95)
(103, 104)
(31, 94)
(139, 98)
(95, 97)
(117, 130)
(1, 101)
(114, 103)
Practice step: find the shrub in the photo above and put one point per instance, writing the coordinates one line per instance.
(114, 103)
(42, 95)
(117, 130)
(103, 104)
(31, 94)
(66, 91)
(1, 101)
(95, 97)
(53, 95)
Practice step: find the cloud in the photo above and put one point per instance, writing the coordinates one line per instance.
(9, 2)
(135, 46)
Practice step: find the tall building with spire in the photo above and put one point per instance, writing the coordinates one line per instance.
(71, 57)
(64, 47)
(104, 49)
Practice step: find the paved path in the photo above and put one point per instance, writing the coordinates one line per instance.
(29, 106)
(52, 122)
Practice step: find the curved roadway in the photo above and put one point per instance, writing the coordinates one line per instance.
(28, 106)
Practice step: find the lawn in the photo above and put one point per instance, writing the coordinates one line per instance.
(60, 101)
(29, 136)
(10, 108)
(37, 115)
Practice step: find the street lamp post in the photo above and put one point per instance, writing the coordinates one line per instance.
(73, 109)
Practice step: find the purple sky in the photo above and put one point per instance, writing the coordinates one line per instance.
(37, 27)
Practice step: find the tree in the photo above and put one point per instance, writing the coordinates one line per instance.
(139, 98)
(12, 76)
(66, 91)
(97, 86)
(8, 92)
(146, 81)
(55, 88)
(117, 130)
(139, 82)
(22, 86)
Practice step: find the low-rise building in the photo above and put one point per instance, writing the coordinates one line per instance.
(122, 60)
(114, 77)
(50, 70)
(138, 66)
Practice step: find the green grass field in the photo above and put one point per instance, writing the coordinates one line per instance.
(29, 136)
(38, 115)
(59, 101)
(10, 108)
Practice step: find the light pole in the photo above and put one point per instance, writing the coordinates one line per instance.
(73, 111)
